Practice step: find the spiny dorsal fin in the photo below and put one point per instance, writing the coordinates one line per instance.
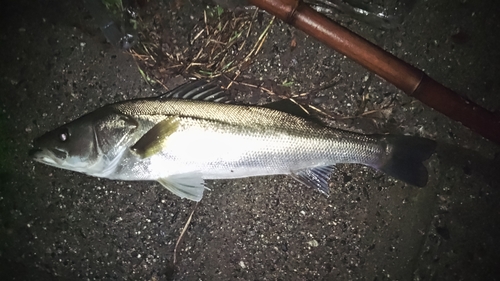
(197, 90)
(316, 177)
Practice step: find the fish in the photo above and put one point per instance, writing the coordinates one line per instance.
(193, 133)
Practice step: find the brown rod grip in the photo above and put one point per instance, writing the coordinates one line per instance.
(411, 80)
(471, 115)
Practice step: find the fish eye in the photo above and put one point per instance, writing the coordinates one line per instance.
(64, 135)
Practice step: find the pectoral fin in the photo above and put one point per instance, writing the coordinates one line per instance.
(189, 186)
(154, 140)
(316, 177)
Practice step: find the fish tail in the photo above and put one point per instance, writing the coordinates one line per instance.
(405, 157)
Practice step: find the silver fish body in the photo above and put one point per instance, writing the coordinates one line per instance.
(185, 138)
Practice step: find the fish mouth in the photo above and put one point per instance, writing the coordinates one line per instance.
(46, 156)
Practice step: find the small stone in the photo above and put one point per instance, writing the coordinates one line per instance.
(313, 243)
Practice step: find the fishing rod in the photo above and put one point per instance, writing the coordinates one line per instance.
(413, 81)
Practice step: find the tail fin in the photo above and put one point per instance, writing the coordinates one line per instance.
(404, 159)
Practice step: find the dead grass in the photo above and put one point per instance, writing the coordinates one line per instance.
(225, 43)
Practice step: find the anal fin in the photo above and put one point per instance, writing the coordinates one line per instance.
(189, 186)
(316, 177)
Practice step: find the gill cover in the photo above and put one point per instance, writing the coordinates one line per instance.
(112, 129)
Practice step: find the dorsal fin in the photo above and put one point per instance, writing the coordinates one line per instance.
(197, 90)
(292, 107)
(289, 106)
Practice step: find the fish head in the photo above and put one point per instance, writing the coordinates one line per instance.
(84, 144)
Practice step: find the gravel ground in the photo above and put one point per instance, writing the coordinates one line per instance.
(60, 225)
